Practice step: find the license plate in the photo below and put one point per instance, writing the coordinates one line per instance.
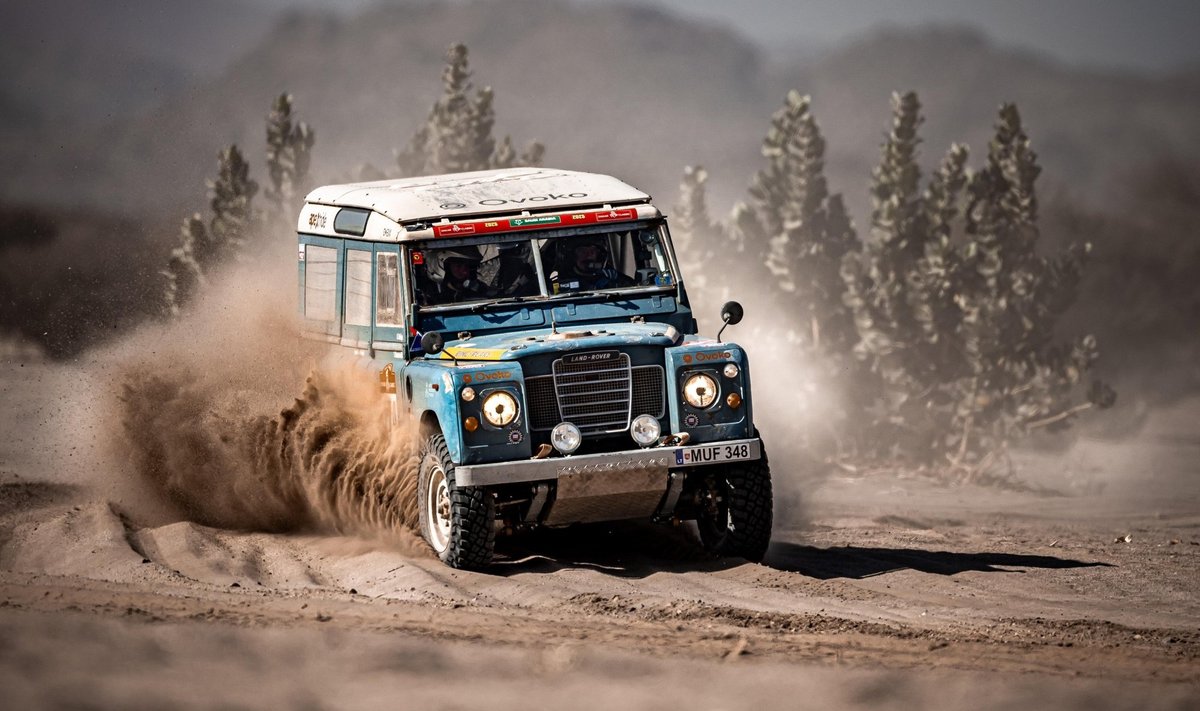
(712, 453)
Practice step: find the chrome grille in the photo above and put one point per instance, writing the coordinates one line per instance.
(649, 396)
(595, 395)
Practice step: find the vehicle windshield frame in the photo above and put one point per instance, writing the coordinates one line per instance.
(543, 296)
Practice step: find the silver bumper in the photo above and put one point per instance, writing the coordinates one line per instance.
(657, 460)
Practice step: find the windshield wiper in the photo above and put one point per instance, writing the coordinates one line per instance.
(607, 294)
(575, 294)
(499, 302)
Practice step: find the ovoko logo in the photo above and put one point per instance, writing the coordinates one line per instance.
(536, 198)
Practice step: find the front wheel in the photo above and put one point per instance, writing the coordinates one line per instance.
(736, 509)
(457, 521)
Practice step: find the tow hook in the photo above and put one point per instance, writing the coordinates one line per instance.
(674, 440)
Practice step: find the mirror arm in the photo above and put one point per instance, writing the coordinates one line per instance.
(731, 313)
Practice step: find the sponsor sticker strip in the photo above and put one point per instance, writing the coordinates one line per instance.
(467, 353)
(460, 229)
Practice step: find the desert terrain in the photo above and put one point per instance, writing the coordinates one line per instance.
(1072, 586)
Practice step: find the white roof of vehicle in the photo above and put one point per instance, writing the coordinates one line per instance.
(480, 193)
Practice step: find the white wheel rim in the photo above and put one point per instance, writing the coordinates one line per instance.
(438, 509)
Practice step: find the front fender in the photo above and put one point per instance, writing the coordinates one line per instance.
(437, 387)
(719, 421)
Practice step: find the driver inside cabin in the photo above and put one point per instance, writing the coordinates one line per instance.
(586, 264)
(452, 275)
(478, 272)
(465, 273)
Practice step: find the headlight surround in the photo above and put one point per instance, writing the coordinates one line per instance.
(700, 390)
(645, 430)
(500, 408)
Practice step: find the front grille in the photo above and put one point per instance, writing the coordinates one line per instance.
(585, 387)
(543, 402)
(595, 395)
(649, 397)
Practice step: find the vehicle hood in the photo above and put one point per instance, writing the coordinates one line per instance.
(511, 346)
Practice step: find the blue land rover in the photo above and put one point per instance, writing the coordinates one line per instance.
(535, 324)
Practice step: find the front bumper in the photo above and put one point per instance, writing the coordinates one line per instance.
(599, 466)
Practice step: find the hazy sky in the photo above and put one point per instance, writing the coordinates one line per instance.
(1150, 34)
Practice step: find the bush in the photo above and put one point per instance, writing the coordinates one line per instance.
(936, 334)
(456, 137)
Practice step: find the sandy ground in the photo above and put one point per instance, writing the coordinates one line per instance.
(880, 591)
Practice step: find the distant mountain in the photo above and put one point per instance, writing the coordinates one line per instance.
(71, 66)
(1092, 129)
(81, 59)
(625, 89)
(622, 89)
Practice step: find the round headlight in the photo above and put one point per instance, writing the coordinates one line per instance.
(499, 408)
(644, 429)
(700, 390)
(468, 393)
(565, 437)
(731, 370)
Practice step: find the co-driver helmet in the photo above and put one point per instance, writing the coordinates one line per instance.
(438, 267)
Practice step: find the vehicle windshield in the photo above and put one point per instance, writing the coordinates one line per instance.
(544, 265)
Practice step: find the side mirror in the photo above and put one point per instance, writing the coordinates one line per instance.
(432, 343)
(731, 314)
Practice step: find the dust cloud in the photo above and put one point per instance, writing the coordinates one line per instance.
(326, 463)
(228, 419)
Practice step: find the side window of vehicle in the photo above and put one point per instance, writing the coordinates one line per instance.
(387, 289)
(320, 283)
(652, 264)
(351, 222)
(358, 287)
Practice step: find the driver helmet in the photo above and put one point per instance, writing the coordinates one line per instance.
(585, 263)
(441, 267)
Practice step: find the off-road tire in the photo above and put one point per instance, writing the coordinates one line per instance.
(471, 538)
(741, 525)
